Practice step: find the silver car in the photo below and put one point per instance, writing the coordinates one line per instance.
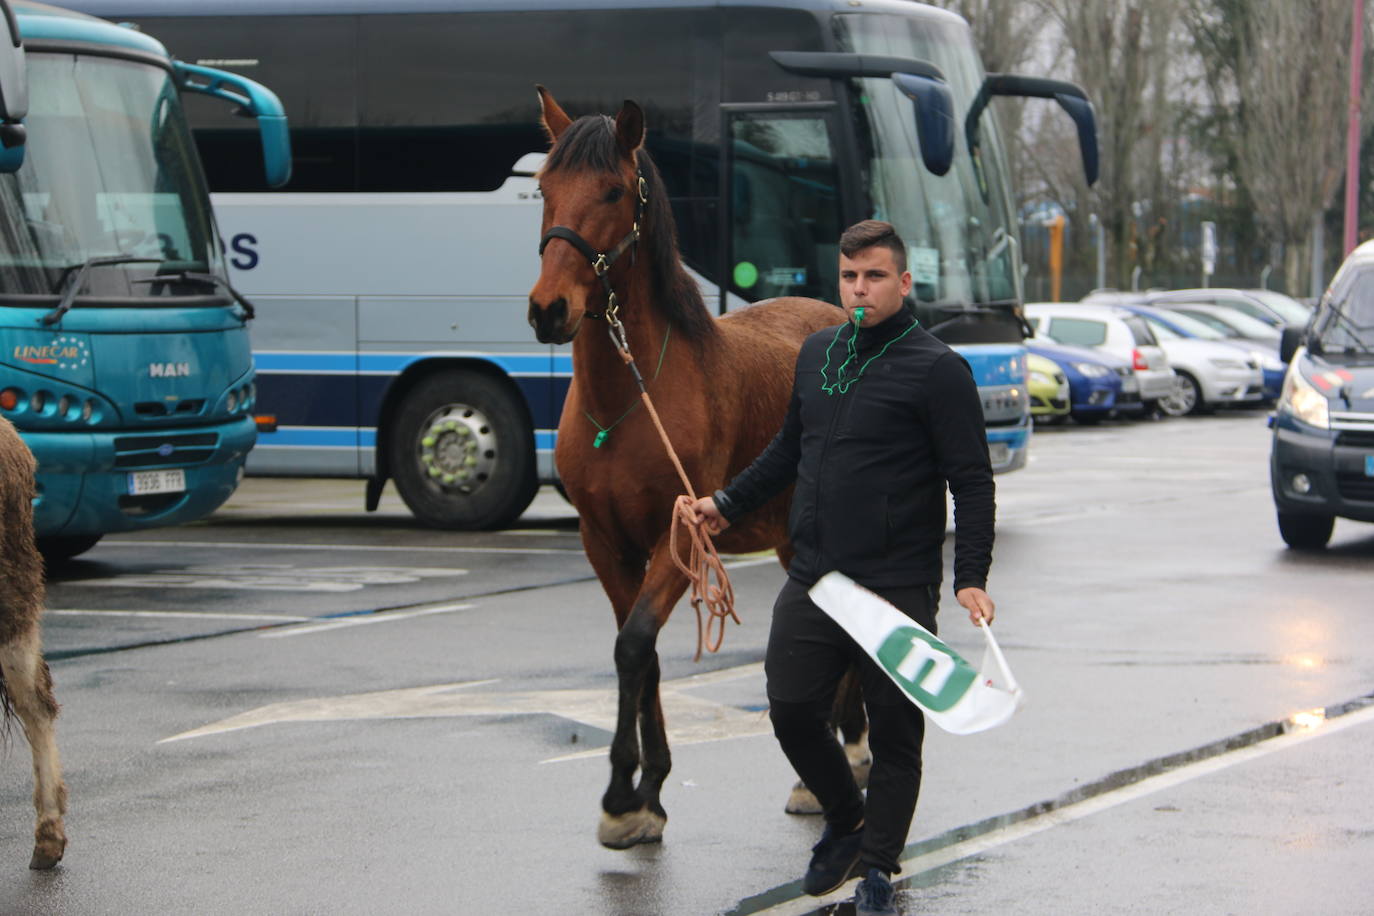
(1210, 373)
(1115, 330)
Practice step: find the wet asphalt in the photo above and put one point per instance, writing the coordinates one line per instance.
(370, 717)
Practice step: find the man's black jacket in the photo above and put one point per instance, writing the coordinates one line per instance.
(871, 464)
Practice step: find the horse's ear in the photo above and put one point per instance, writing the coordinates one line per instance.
(554, 118)
(629, 128)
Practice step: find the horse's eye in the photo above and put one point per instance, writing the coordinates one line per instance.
(614, 194)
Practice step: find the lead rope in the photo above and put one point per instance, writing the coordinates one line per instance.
(711, 586)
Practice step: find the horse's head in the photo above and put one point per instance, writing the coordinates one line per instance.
(591, 193)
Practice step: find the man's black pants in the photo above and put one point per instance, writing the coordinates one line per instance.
(808, 653)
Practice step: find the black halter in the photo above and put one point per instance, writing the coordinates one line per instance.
(601, 261)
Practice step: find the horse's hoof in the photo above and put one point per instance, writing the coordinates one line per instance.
(802, 801)
(621, 831)
(46, 855)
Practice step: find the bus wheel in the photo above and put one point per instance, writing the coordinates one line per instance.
(1305, 532)
(58, 550)
(461, 452)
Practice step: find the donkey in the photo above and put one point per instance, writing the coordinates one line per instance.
(25, 682)
(610, 261)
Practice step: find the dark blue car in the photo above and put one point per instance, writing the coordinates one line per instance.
(1100, 385)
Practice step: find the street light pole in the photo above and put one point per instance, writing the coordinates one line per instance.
(1352, 134)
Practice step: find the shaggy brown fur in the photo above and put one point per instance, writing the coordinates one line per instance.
(722, 393)
(25, 682)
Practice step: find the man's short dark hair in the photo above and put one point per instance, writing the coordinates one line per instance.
(872, 233)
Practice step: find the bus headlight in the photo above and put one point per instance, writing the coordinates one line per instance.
(1304, 401)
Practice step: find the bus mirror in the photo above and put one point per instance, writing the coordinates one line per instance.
(1081, 110)
(1070, 97)
(255, 101)
(934, 118)
(14, 91)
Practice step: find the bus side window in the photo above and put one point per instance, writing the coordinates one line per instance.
(310, 63)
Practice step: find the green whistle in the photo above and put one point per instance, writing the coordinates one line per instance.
(859, 315)
(600, 438)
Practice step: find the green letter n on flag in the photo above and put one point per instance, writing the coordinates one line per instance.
(926, 668)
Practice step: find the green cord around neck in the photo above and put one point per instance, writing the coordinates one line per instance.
(841, 384)
(604, 431)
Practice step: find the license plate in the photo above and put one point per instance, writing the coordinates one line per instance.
(172, 480)
(999, 452)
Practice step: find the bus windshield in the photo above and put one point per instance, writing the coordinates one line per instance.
(960, 236)
(118, 177)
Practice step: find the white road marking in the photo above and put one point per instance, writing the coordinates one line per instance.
(199, 615)
(691, 720)
(1068, 814)
(274, 577)
(363, 620)
(254, 545)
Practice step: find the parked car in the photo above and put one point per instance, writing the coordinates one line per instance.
(1274, 309)
(1235, 325)
(1271, 367)
(1100, 385)
(1049, 389)
(1113, 330)
(1210, 374)
(1321, 463)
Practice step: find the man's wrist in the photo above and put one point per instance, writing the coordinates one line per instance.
(726, 506)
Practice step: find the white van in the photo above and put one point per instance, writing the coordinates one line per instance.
(1114, 330)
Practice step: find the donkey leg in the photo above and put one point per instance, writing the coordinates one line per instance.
(28, 683)
(634, 814)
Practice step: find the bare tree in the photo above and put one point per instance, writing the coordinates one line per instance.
(1283, 68)
(1122, 53)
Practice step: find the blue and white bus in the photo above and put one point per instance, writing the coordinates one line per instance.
(125, 361)
(392, 273)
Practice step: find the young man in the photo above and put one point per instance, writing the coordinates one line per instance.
(883, 416)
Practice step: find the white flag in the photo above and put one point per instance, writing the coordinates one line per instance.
(952, 692)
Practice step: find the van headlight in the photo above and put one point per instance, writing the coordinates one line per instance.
(1304, 401)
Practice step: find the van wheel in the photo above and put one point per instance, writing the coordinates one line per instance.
(462, 453)
(1305, 532)
(60, 549)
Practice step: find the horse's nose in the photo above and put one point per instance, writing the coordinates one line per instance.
(548, 320)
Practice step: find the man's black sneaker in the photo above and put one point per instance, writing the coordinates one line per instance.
(874, 896)
(833, 860)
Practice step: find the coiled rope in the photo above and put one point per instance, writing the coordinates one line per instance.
(713, 597)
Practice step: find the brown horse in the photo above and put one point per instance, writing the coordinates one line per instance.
(721, 387)
(25, 683)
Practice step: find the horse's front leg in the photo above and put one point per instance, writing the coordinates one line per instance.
(633, 814)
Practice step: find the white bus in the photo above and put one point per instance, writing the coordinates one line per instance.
(391, 275)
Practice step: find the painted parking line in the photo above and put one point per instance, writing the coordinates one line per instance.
(691, 720)
(937, 852)
(278, 546)
(363, 620)
(281, 577)
(197, 615)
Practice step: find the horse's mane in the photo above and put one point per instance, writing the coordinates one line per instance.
(590, 143)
